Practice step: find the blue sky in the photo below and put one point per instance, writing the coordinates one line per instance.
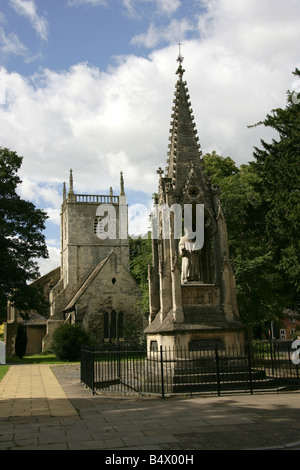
(88, 85)
(60, 33)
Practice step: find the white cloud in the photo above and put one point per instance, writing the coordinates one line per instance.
(168, 6)
(10, 44)
(45, 195)
(175, 31)
(101, 123)
(28, 9)
(134, 8)
(84, 120)
(47, 265)
(265, 31)
(2, 18)
(30, 190)
(54, 214)
(87, 2)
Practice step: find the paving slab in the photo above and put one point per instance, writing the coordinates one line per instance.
(32, 390)
(47, 408)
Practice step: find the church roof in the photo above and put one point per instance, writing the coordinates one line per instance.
(85, 285)
(35, 319)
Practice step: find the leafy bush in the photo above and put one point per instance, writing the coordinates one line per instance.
(67, 340)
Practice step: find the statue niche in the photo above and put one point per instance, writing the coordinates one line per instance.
(190, 265)
(197, 265)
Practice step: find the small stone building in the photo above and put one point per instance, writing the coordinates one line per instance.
(35, 324)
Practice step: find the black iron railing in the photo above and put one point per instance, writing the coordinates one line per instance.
(168, 371)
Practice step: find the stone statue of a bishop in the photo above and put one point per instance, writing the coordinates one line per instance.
(190, 268)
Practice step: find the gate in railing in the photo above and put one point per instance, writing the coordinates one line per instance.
(256, 366)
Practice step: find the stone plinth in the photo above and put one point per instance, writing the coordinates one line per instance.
(194, 293)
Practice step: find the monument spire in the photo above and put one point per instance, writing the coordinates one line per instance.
(183, 146)
(191, 303)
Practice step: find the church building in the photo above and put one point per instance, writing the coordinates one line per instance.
(93, 285)
(95, 288)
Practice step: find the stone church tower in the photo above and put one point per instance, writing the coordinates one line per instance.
(192, 289)
(95, 286)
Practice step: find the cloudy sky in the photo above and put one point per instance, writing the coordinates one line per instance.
(88, 85)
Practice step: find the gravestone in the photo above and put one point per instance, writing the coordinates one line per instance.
(2, 353)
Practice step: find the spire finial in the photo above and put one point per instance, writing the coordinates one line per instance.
(122, 193)
(180, 58)
(71, 191)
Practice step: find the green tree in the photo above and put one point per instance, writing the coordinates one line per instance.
(262, 206)
(67, 340)
(140, 257)
(257, 280)
(21, 240)
(218, 168)
(278, 166)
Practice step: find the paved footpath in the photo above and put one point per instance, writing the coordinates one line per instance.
(45, 407)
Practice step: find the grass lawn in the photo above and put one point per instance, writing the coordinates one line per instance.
(3, 369)
(36, 359)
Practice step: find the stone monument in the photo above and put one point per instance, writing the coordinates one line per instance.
(191, 281)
